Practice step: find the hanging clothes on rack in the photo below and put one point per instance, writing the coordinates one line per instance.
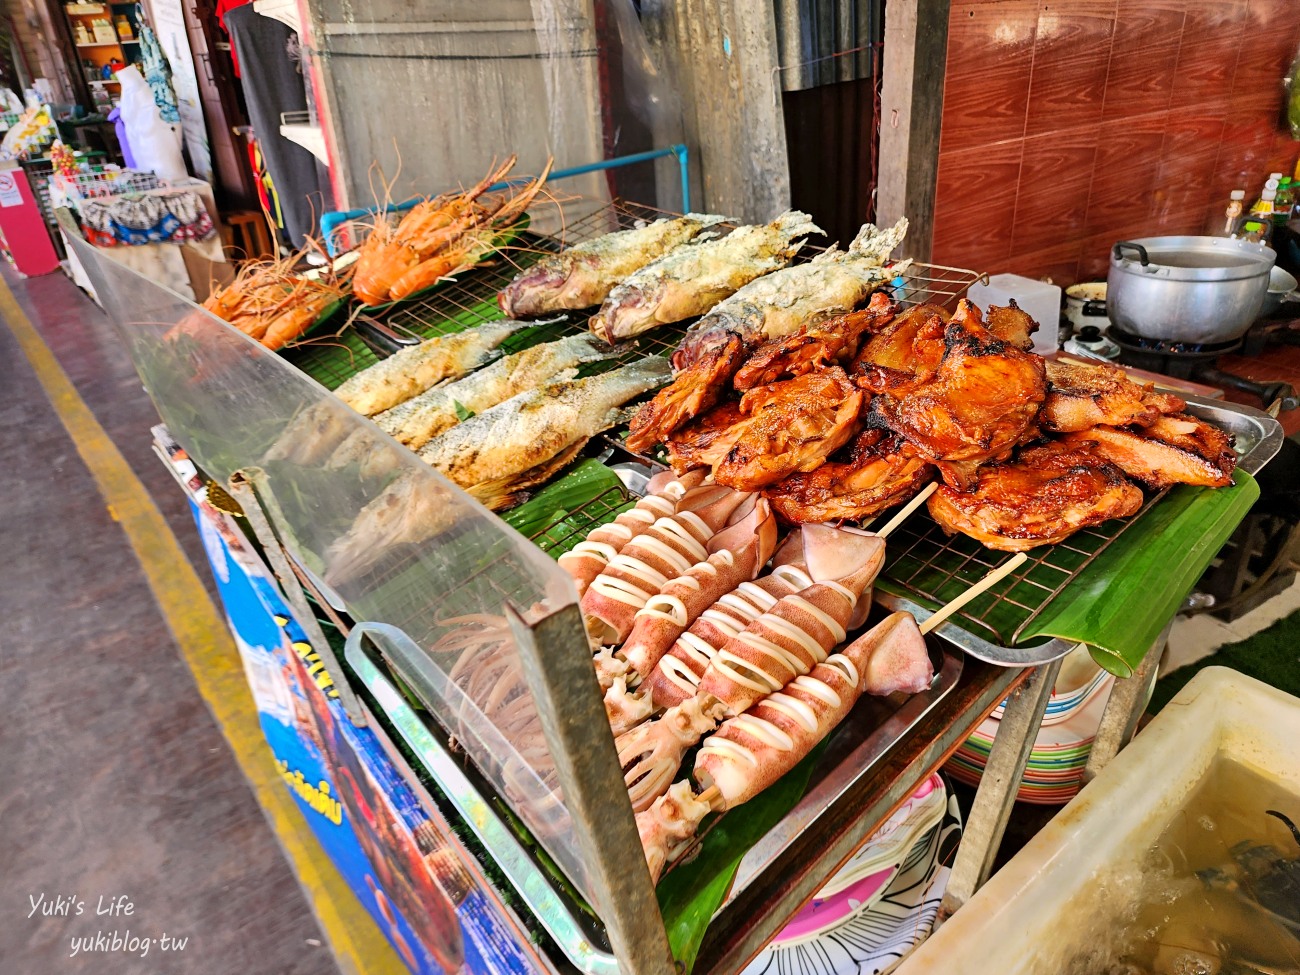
(156, 70)
(273, 85)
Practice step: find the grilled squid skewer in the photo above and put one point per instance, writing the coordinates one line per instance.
(669, 547)
(752, 750)
(590, 556)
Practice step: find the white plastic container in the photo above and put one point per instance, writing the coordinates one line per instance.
(1073, 882)
(1042, 302)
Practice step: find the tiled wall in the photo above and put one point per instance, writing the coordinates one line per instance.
(1070, 124)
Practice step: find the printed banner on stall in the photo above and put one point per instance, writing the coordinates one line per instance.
(401, 864)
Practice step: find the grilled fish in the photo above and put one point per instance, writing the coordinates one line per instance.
(518, 443)
(419, 420)
(410, 372)
(691, 279)
(781, 303)
(584, 275)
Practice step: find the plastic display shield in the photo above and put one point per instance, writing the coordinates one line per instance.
(398, 543)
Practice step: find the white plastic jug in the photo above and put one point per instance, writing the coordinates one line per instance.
(1040, 300)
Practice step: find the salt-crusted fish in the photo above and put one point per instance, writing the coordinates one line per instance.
(691, 279)
(410, 372)
(780, 303)
(420, 419)
(521, 442)
(584, 275)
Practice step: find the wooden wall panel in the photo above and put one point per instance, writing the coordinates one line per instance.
(1068, 126)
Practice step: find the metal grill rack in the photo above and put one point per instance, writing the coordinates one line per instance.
(924, 564)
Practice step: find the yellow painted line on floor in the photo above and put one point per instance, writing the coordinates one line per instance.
(206, 646)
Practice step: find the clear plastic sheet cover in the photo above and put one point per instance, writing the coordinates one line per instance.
(404, 547)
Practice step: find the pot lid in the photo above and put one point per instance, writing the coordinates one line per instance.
(1193, 258)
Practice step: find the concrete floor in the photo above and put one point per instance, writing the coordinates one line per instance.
(115, 778)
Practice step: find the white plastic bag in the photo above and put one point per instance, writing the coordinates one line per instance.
(155, 145)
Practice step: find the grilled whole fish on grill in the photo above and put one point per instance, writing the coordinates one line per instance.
(691, 279)
(784, 301)
(585, 274)
(517, 443)
(410, 372)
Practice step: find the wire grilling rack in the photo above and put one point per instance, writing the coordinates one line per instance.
(923, 563)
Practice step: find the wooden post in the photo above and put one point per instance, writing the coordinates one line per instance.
(916, 52)
(722, 54)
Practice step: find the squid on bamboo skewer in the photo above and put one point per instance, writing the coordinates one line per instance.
(663, 495)
(752, 750)
(669, 547)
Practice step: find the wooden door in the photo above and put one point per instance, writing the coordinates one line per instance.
(223, 107)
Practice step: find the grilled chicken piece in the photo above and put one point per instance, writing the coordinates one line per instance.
(980, 403)
(705, 440)
(905, 353)
(696, 389)
(1176, 449)
(1048, 494)
(1012, 325)
(815, 346)
(1083, 396)
(880, 470)
(792, 426)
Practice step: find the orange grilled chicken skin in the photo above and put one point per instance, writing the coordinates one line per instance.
(697, 388)
(1175, 449)
(792, 426)
(1012, 325)
(904, 353)
(1083, 396)
(815, 346)
(1048, 494)
(980, 403)
(880, 469)
(705, 440)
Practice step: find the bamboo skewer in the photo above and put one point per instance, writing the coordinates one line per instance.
(1001, 572)
(710, 795)
(908, 508)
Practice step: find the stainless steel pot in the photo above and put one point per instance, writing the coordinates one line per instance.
(1187, 289)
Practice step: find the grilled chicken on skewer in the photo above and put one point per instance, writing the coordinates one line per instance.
(585, 274)
(1046, 495)
(878, 469)
(979, 404)
(1083, 396)
(905, 352)
(704, 441)
(752, 750)
(692, 278)
(1174, 449)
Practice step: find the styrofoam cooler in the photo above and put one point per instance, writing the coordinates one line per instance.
(1042, 302)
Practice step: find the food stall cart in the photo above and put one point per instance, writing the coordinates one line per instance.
(518, 792)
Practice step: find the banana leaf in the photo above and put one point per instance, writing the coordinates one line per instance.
(691, 893)
(548, 517)
(1119, 604)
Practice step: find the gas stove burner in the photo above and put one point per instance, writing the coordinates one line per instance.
(1165, 347)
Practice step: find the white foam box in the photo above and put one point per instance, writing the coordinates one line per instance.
(1040, 300)
(1078, 874)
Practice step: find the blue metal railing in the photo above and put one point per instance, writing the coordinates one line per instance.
(332, 221)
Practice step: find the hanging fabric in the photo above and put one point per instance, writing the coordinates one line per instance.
(156, 70)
